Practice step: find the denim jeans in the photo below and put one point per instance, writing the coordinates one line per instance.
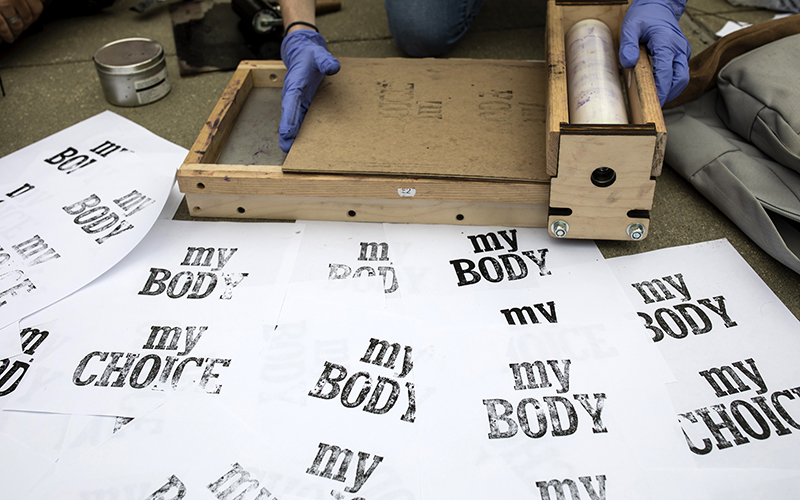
(427, 28)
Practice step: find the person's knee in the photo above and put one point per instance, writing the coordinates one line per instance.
(418, 36)
(426, 28)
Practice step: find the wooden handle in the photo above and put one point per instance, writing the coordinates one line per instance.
(325, 6)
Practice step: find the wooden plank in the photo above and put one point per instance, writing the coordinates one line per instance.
(456, 118)
(369, 210)
(272, 181)
(215, 131)
(645, 106)
(603, 212)
(265, 73)
(557, 100)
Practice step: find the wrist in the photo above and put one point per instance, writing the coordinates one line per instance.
(299, 25)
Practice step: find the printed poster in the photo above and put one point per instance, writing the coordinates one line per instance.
(74, 204)
(433, 260)
(189, 306)
(732, 346)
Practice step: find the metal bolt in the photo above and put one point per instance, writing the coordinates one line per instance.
(636, 231)
(559, 228)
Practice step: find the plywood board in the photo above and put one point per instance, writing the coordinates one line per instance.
(453, 118)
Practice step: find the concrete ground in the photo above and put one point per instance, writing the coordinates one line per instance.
(51, 83)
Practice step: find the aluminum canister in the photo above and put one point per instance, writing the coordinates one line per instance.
(132, 71)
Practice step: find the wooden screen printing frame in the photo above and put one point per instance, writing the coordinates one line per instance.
(635, 152)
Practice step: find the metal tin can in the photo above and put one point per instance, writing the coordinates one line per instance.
(132, 71)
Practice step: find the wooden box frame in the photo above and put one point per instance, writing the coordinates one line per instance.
(266, 192)
(635, 152)
(257, 191)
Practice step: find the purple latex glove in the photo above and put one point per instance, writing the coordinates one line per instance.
(655, 23)
(307, 61)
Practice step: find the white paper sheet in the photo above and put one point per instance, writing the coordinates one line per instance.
(484, 420)
(343, 251)
(578, 299)
(190, 448)
(188, 306)
(732, 27)
(723, 484)
(9, 341)
(367, 404)
(23, 467)
(37, 341)
(173, 202)
(732, 347)
(314, 377)
(74, 204)
(432, 260)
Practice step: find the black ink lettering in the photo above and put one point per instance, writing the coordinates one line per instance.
(498, 271)
(494, 418)
(765, 431)
(151, 375)
(485, 242)
(198, 256)
(555, 418)
(524, 422)
(20, 190)
(208, 374)
(465, 270)
(335, 452)
(18, 366)
(558, 489)
(719, 309)
(372, 248)
(597, 422)
(372, 404)
(362, 473)
(539, 261)
(725, 374)
(326, 380)
(653, 296)
(31, 339)
(753, 374)
(684, 310)
(648, 323)
(133, 202)
(236, 478)
(511, 272)
(716, 428)
(410, 413)
(107, 148)
(35, 248)
(76, 377)
(348, 387)
(707, 445)
(121, 371)
(173, 486)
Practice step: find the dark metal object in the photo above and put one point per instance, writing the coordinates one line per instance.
(263, 17)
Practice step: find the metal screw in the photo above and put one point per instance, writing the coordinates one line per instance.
(559, 228)
(636, 231)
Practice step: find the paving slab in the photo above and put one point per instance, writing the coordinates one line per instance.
(76, 39)
(41, 100)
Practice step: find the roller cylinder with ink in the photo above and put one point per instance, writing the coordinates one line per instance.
(593, 83)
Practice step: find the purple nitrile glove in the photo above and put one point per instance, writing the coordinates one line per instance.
(307, 61)
(655, 23)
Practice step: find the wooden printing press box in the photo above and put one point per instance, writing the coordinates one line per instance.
(446, 141)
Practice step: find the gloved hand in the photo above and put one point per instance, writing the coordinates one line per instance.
(655, 23)
(307, 61)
